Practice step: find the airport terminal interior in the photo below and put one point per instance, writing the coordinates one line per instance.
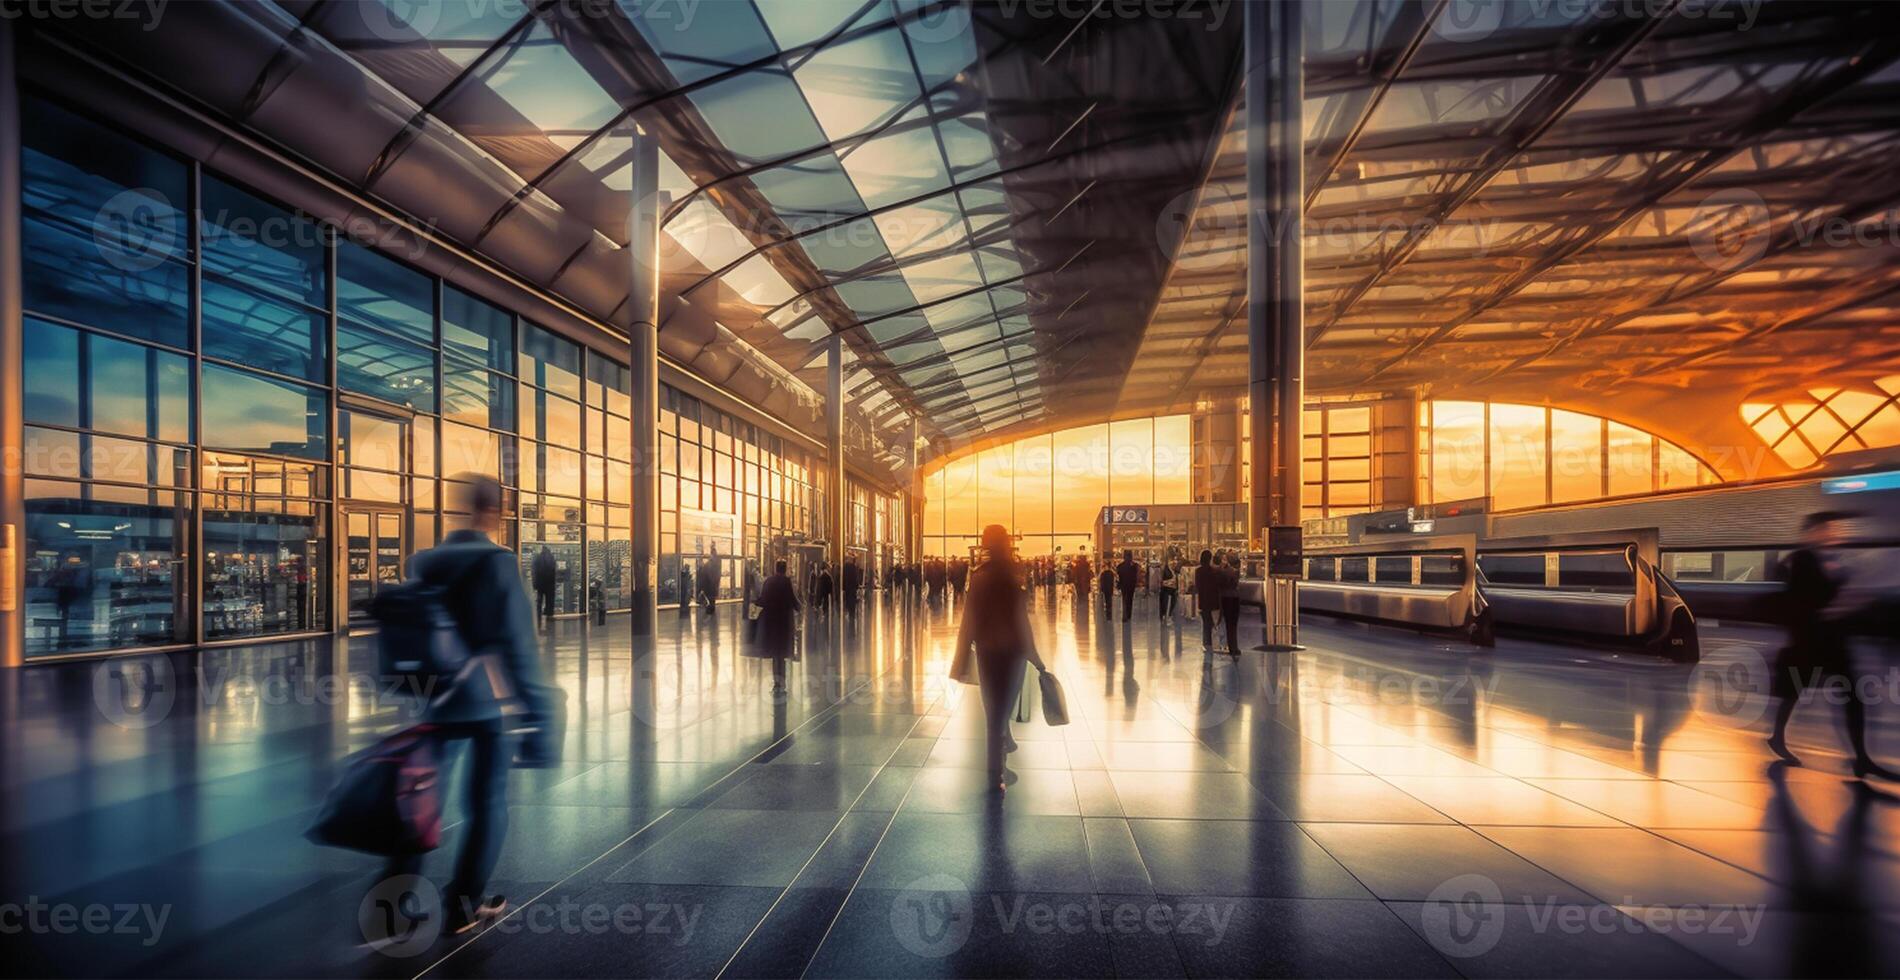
(1084, 488)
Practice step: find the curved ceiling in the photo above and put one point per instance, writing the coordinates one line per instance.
(1025, 216)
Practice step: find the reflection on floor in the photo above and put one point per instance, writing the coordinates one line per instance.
(1379, 804)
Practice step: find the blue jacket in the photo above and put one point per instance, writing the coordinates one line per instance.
(488, 602)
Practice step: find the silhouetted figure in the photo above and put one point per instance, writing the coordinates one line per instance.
(1167, 591)
(1817, 653)
(1207, 596)
(777, 638)
(853, 584)
(1079, 578)
(72, 585)
(1106, 582)
(1128, 579)
(995, 624)
(686, 589)
(492, 614)
(544, 573)
(709, 579)
(959, 577)
(821, 590)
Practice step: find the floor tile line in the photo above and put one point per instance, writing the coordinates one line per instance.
(843, 815)
(821, 715)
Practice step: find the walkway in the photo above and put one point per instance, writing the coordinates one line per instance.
(1382, 804)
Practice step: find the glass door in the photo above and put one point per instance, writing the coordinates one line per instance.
(373, 554)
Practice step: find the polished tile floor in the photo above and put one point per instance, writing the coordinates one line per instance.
(1380, 804)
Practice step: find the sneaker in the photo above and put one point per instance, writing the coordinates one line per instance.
(462, 920)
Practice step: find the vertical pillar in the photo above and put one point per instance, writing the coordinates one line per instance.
(914, 504)
(836, 504)
(643, 247)
(12, 364)
(1276, 328)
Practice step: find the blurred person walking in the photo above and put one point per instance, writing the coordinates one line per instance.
(492, 615)
(1817, 654)
(995, 625)
(777, 636)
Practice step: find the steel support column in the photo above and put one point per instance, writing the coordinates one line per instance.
(1276, 350)
(12, 363)
(643, 248)
(837, 505)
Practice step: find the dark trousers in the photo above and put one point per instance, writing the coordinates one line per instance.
(1793, 677)
(1000, 681)
(1128, 605)
(490, 754)
(1230, 614)
(1207, 625)
(547, 603)
(1167, 602)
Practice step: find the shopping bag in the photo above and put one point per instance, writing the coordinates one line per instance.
(389, 799)
(543, 736)
(1055, 708)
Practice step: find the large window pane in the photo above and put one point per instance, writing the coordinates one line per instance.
(1630, 460)
(264, 568)
(476, 331)
(51, 376)
(254, 414)
(1174, 461)
(1576, 456)
(76, 278)
(959, 496)
(1035, 465)
(477, 396)
(1131, 468)
(1675, 468)
(1080, 477)
(1457, 450)
(94, 179)
(138, 391)
(254, 330)
(549, 361)
(382, 367)
(470, 450)
(379, 291)
(103, 567)
(996, 487)
(1517, 456)
(261, 245)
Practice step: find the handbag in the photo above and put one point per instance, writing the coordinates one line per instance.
(1055, 708)
(389, 799)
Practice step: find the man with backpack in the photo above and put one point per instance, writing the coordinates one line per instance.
(501, 678)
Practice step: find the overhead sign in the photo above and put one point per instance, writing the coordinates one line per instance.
(1889, 480)
(1124, 515)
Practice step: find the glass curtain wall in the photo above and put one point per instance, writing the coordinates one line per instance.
(194, 425)
(1049, 489)
(730, 488)
(1531, 456)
